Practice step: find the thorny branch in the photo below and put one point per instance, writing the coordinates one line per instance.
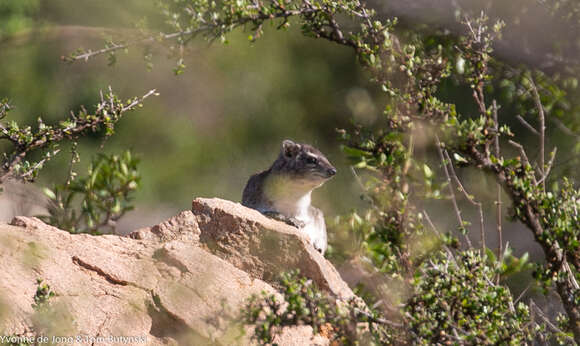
(112, 47)
(331, 31)
(25, 140)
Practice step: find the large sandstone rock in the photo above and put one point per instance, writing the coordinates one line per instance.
(261, 246)
(183, 281)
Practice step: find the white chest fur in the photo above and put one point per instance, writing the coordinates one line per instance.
(294, 207)
(292, 199)
(314, 226)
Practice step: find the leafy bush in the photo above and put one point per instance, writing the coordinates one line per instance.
(43, 294)
(303, 303)
(455, 300)
(105, 195)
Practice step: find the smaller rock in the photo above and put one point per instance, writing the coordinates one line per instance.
(32, 223)
(299, 336)
(182, 226)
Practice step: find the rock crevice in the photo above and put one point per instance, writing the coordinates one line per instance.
(110, 278)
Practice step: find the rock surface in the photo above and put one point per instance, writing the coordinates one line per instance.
(182, 282)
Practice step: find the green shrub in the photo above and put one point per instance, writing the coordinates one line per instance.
(455, 301)
(104, 195)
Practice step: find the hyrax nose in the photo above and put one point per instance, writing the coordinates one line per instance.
(331, 171)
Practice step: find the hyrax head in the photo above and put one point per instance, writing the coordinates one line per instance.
(304, 163)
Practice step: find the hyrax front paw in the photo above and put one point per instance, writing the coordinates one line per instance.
(295, 222)
(288, 220)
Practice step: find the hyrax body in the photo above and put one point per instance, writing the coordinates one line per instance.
(284, 190)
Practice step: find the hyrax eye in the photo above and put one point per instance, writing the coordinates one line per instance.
(311, 160)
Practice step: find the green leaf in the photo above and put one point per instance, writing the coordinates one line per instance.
(354, 152)
(427, 171)
(459, 158)
(361, 164)
(49, 193)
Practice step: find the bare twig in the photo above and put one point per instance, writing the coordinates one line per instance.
(37, 166)
(366, 17)
(498, 203)
(377, 319)
(542, 131)
(431, 224)
(527, 125)
(549, 167)
(570, 274)
(452, 193)
(522, 293)
(469, 197)
(438, 234)
(358, 180)
(546, 319)
(115, 47)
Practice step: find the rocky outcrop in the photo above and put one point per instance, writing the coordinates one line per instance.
(183, 281)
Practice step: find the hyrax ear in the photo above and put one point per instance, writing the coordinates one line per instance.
(289, 148)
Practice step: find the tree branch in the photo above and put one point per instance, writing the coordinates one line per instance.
(108, 112)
